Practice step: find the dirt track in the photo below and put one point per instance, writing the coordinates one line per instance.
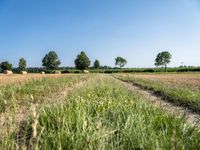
(192, 118)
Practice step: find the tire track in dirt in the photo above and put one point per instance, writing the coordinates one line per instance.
(191, 117)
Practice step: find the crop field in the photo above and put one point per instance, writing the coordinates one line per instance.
(183, 89)
(16, 78)
(96, 111)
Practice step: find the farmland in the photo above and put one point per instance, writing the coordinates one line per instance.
(182, 89)
(16, 78)
(96, 111)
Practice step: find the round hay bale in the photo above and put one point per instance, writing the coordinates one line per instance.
(57, 72)
(86, 71)
(8, 72)
(42, 72)
(24, 72)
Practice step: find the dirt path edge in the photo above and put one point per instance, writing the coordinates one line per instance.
(191, 116)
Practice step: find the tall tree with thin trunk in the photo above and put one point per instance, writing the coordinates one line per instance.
(22, 64)
(96, 64)
(162, 59)
(121, 62)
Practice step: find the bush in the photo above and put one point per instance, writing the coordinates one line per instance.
(6, 65)
(78, 71)
(108, 71)
(65, 71)
(148, 70)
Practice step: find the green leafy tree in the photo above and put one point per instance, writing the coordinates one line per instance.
(51, 61)
(6, 65)
(121, 62)
(96, 64)
(82, 62)
(162, 59)
(22, 64)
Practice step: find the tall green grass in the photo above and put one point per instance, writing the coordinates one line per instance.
(106, 115)
(180, 94)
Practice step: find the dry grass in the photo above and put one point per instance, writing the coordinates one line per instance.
(181, 89)
(177, 79)
(38, 93)
(98, 112)
(192, 118)
(17, 78)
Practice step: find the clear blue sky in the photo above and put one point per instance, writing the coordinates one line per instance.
(134, 29)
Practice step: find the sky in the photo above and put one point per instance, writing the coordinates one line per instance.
(134, 29)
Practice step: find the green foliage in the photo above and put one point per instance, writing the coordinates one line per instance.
(82, 62)
(51, 61)
(22, 64)
(133, 70)
(6, 65)
(121, 62)
(72, 71)
(96, 64)
(163, 58)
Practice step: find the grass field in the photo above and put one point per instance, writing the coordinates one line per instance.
(17, 78)
(94, 112)
(183, 89)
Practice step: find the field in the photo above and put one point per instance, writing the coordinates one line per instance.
(183, 89)
(16, 78)
(97, 111)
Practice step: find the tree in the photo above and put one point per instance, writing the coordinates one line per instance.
(22, 64)
(6, 65)
(121, 62)
(96, 64)
(51, 61)
(162, 59)
(82, 61)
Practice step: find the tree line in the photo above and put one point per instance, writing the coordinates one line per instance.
(51, 61)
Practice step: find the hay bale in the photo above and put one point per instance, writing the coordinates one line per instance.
(57, 72)
(24, 72)
(86, 71)
(8, 72)
(42, 72)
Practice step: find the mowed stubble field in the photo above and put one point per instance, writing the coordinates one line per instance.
(96, 111)
(182, 89)
(17, 78)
